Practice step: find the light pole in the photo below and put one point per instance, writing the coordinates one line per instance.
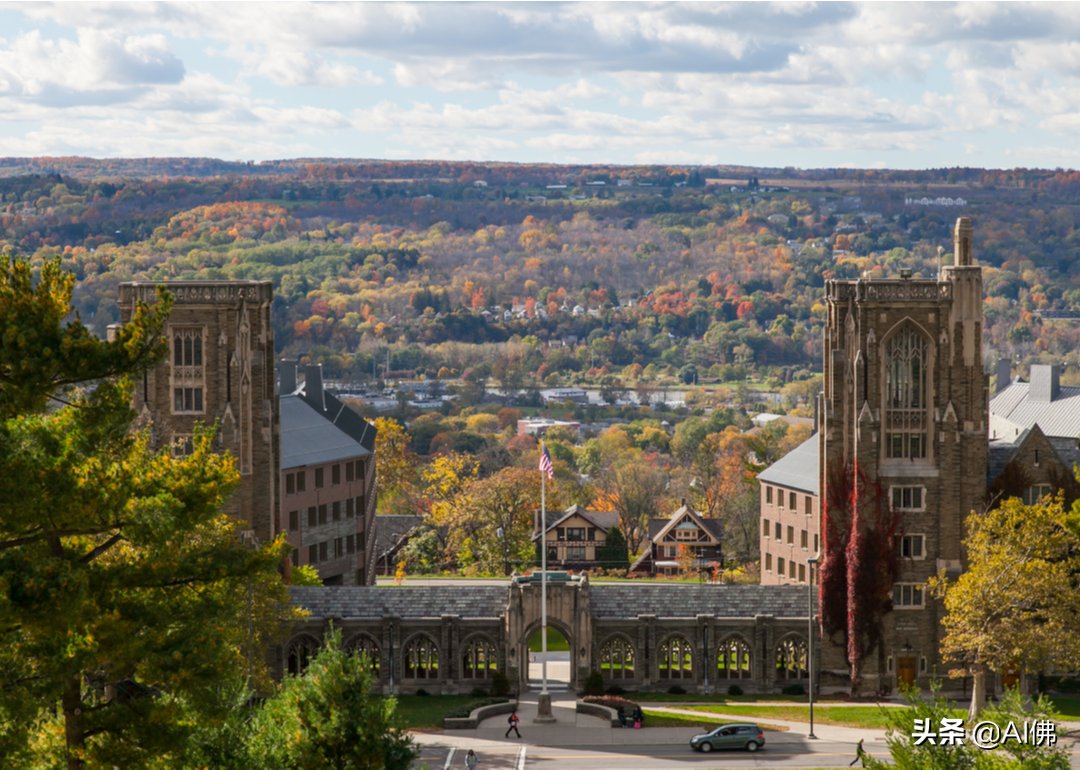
(810, 563)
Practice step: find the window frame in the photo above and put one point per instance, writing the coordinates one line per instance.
(919, 588)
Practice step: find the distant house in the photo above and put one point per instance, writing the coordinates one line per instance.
(574, 538)
(579, 310)
(622, 183)
(480, 183)
(684, 528)
(540, 426)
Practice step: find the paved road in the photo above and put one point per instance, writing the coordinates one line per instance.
(665, 757)
(822, 755)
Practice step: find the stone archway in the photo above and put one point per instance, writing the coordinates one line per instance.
(568, 610)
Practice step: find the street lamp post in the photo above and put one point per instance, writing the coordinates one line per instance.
(811, 562)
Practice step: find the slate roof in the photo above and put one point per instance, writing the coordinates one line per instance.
(391, 530)
(604, 520)
(609, 600)
(714, 526)
(309, 438)
(1059, 418)
(798, 469)
(628, 600)
(403, 601)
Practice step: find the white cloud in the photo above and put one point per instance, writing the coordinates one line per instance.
(632, 81)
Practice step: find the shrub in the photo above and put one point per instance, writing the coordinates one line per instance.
(478, 692)
(676, 690)
(794, 689)
(463, 711)
(615, 690)
(612, 701)
(594, 684)
(500, 684)
(422, 692)
(734, 690)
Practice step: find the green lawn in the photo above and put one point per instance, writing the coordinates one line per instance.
(664, 719)
(1067, 705)
(865, 717)
(556, 642)
(427, 711)
(664, 697)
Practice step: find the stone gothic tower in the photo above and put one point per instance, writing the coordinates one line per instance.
(220, 367)
(906, 403)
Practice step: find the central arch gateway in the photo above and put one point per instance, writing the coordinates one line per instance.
(639, 636)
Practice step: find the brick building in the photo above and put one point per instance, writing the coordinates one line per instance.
(220, 367)
(790, 515)
(327, 483)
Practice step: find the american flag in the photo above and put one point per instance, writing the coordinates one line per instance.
(545, 464)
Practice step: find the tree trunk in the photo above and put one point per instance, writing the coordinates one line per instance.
(978, 693)
(74, 727)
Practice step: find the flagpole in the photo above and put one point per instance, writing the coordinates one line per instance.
(543, 573)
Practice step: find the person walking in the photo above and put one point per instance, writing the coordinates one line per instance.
(471, 759)
(860, 753)
(513, 720)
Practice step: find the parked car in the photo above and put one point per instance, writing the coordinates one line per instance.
(747, 737)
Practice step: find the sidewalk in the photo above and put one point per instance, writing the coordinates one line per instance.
(573, 729)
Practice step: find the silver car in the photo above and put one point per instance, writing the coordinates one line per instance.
(738, 736)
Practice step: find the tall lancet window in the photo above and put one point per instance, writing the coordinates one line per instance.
(905, 405)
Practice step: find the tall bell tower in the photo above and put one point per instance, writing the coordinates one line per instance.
(905, 402)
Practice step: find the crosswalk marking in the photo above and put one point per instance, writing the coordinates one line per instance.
(520, 765)
(449, 758)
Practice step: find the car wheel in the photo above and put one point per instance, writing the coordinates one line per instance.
(706, 747)
(752, 746)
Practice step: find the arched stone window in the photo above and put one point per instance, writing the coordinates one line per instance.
(676, 659)
(362, 644)
(905, 395)
(479, 660)
(421, 659)
(733, 660)
(791, 659)
(300, 653)
(617, 659)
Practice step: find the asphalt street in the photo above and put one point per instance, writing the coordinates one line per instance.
(663, 757)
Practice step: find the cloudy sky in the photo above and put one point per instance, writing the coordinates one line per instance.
(802, 84)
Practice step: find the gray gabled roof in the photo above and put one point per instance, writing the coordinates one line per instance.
(403, 601)
(309, 438)
(602, 520)
(798, 469)
(1058, 418)
(673, 600)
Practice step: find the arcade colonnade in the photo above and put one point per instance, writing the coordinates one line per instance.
(640, 636)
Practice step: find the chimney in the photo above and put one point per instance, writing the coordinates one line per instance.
(313, 389)
(1004, 375)
(288, 376)
(1045, 383)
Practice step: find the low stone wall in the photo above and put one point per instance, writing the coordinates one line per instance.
(478, 715)
(596, 710)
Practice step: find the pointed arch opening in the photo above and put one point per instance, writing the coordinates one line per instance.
(906, 366)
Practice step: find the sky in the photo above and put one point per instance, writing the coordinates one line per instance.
(809, 85)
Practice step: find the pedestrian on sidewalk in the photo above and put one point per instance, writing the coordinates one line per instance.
(513, 720)
(622, 716)
(860, 753)
(471, 759)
